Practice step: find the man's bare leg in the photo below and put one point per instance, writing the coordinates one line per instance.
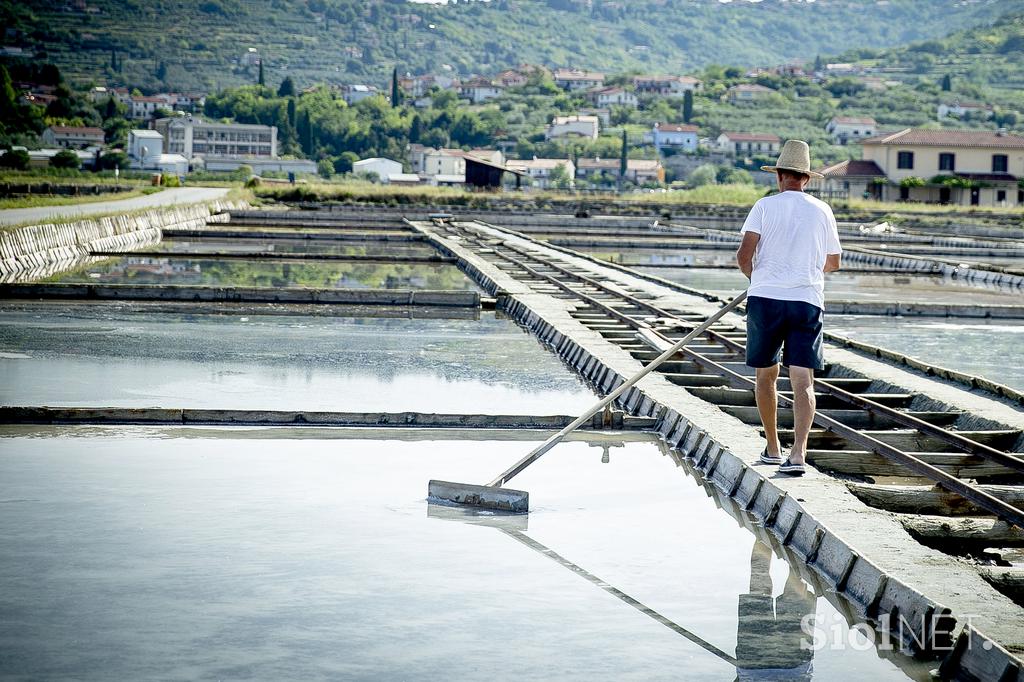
(802, 379)
(767, 405)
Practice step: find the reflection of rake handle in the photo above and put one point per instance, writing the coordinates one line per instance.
(614, 591)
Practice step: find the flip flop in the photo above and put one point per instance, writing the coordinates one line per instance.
(792, 469)
(766, 458)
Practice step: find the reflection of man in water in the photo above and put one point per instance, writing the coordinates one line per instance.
(768, 635)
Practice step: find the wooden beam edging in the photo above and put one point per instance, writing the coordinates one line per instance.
(158, 292)
(201, 416)
(919, 623)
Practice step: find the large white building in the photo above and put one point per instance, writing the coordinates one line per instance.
(146, 152)
(192, 137)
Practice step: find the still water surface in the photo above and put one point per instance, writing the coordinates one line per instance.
(96, 355)
(187, 553)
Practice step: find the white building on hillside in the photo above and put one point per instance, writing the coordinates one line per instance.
(748, 144)
(478, 90)
(573, 126)
(845, 129)
(961, 109)
(613, 96)
(356, 93)
(574, 79)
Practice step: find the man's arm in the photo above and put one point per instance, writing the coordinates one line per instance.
(745, 254)
(832, 262)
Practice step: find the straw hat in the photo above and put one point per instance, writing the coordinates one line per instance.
(795, 156)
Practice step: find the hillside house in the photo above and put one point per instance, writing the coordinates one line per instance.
(748, 93)
(572, 126)
(143, 108)
(846, 129)
(73, 137)
(357, 92)
(511, 78)
(963, 109)
(606, 171)
(965, 167)
(573, 79)
(673, 136)
(613, 96)
(666, 85)
(480, 89)
(741, 145)
(539, 170)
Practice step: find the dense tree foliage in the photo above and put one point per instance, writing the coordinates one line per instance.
(196, 44)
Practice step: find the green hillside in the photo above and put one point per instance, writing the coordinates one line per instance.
(196, 44)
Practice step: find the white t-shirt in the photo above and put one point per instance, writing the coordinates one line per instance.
(797, 232)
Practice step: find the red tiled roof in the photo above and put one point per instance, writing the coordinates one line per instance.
(751, 137)
(855, 120)
(855, 168)
(77, 130)
(948, 138)
(676, 128)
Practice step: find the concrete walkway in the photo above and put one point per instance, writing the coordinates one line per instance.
(168, 197)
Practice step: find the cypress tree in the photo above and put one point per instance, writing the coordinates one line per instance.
(687, 106)
(947, 83)
(291, 112)
(623, 158)
(262, 81)
(396, 95)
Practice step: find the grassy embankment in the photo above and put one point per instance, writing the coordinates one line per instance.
(238, 194)
(738, 195)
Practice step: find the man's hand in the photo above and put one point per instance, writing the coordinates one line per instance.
(832, 262)
(745, 254)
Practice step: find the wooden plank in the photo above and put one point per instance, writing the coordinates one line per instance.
(904, 439)
(963, 533)
(742, 396)
(864, 463)
(860, 419)
(908, 499)
(1007, 579)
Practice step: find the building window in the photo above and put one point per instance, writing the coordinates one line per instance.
(1000, 195)
(1000, 163)
(947, 161)
(905, 160)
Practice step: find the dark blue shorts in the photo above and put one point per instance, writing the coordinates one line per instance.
(790, 327)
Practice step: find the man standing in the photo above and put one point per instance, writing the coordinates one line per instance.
(790, 241)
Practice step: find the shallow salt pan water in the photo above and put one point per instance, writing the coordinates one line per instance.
(137, 553)
(988, 348)
(95, 355)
